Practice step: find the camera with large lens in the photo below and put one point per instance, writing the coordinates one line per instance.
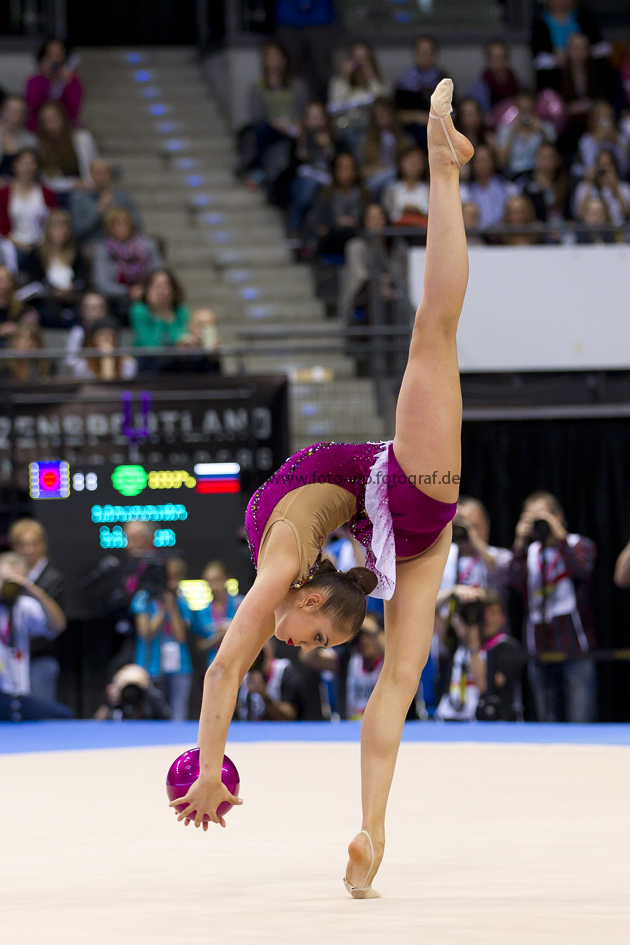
(10, 591)
(460, 534)
(541, 530)
(470, 612)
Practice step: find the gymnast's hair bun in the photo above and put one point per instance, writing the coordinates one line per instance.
(365, 578)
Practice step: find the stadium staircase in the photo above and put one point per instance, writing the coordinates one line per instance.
(154, 117)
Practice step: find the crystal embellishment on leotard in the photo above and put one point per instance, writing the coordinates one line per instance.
(381, 557)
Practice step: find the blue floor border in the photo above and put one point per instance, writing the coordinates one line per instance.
(22, 737)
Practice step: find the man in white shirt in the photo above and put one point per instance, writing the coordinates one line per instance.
(23, 614)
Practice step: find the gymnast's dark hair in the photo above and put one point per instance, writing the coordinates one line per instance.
(345, 592)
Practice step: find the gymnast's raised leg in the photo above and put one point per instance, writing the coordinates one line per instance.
(427, 439)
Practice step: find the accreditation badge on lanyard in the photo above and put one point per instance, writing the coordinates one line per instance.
(549, 574)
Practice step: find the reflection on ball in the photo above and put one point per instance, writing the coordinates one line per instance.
(184, 772)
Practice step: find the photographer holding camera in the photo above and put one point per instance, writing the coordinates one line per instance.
(26, 611)
(486, 663)
(131, 695)
(552, 570)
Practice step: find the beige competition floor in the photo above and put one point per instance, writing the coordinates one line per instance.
(504, 844)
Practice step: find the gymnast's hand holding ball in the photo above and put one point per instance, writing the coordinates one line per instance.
(201, 799)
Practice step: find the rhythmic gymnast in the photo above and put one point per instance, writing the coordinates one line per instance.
(399, 498)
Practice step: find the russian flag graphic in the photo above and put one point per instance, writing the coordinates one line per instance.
(217, 477)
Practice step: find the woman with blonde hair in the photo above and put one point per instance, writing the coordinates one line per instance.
(57, 268)
(123, 262)
(519, 211)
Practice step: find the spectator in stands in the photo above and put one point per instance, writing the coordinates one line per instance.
(90, 205)
(602, 133)
(552, 570)
(414, 88)
(338, 209)
(406, 200)
(160, 318)
(57, 272)
(25, 204)
(383, 147)
(277, 101)
(487, 189)
(352, 91)
(551, 32)
(584, 80)
(66, 153)
(201, 332)
(132, 695)
(366, 259)
(365, 666)
(92, 309)
(603, 181)
(271, 691)
(316, 149)
(497, 82)
(307, 31)
(28, 538)
(518, 142)
(103, 337)
(547, 186)
(8, 255)
(24, 614)
(519, 211)
(486, 663)
(471, 119)
(595, 213)
(56, 81)
(123, 262)
(470, 213)
(10, 307)
(161, 646)
(28, 370)
(14, 135)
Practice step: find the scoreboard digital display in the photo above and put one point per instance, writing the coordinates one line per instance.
(196, 514)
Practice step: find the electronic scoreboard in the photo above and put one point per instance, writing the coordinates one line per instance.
(196, 513)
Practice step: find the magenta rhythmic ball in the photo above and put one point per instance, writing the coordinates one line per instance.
(184, 772)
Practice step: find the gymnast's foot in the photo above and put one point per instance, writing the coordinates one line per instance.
(446, 145)
(365, 855)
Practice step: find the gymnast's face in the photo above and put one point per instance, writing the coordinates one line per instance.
(300, 622)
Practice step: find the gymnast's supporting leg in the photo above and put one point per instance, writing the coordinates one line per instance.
(428, 430)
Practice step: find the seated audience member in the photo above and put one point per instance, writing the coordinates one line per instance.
(486, 664)
(57, 273)
(364, 667)
(14, 135)
(92, 309)
(602, 135)
(271, 690)
(472, 123)
(406, 200)
(365, 259)
(382, 148)
(470, 214)
(497, 82)
(27, 370)
(160, 318)
(55, 81)
(552, 29)
(25, 612)
(414, 88)
(487, 189)
(28, 539)
(603, 181)
(161, 646)
(552, 570)
(90, 205)
(352, 91)
(277, 101)
(519, 211)
(584, 80)
(10, 307)
(132, 695)
(25, 203)
(315, 151)
(103, 337)
(66, 153)
(338, 209)
(595, 214)
(547, 187)
(201, 332)
(8, 255)
(519, 141)
(123, 262)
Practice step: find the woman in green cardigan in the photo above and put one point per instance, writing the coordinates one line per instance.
(161, 318)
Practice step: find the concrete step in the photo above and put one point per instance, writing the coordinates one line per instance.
(270, 255)
(306, 310)
(134, 123)
(168, 147)
(297, 275)
(104, 109)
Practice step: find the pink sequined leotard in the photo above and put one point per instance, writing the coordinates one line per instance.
(392, 518)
